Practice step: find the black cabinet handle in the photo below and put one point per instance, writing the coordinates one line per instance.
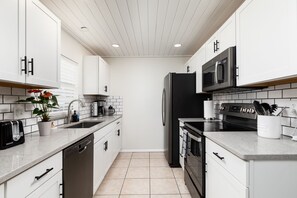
(32, 66)
(188, 69)
(217, 154)
(105, 88)
(217, 45)
(119, 132)
(45, 173)
(106, 146)
(214, 47)
(24, 60)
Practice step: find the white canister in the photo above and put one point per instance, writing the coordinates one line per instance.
(269, 126)
(208, 109)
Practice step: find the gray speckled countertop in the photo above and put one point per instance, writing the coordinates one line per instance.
(38, 148)
(249, 146)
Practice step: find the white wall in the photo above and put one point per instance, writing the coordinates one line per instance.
(75, 51)
(140, 82)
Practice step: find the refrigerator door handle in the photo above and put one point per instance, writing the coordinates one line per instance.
(163, 107)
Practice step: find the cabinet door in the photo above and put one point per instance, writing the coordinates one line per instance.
(226, 34)
(90, 75)
(118, 135)
(200, 60)
(50, 189)
(12, 48)
(220, 183)
(100, 162)
(266, 38)
(210, 48)
(42, 45)
(103, 77)
(2, 190)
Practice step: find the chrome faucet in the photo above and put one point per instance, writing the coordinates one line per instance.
(69, 112)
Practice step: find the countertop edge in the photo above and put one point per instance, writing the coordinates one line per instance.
(253, 157)
(29, 165)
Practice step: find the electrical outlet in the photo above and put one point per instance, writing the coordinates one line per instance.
(18, 111)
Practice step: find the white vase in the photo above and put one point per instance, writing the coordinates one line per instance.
(44, 128)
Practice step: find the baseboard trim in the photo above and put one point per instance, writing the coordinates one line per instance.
(142, 150)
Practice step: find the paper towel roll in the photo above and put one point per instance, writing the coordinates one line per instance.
(208, 109)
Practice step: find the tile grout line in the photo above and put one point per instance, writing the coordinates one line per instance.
(125, 175)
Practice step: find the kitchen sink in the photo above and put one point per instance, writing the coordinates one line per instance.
(84, 124)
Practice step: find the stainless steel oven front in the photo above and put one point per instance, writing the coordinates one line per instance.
(220, 72)
(195, 164)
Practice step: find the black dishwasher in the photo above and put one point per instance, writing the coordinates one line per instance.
(78, 169)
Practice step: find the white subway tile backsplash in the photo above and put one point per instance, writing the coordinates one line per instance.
(290, 93)
(4, 108)
(289, 131)
(242, 96)
(284, 86)
(294, 85)
(262, 94)
(282, 95)
(10, 99)
(31, 121)
(275, 94)
(8, 116)
(18, 91)
(251, 95)
(5, 90)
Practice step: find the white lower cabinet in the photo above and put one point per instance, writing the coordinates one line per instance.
(220, 183)
(228, 176)
(107, 145)
(42, 180)
(2, 190)
(50, 189)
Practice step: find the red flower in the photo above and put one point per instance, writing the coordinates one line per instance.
(34, 91)
(46, 94)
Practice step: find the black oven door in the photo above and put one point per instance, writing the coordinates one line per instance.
(195, 163)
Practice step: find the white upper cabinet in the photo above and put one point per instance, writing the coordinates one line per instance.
(200, 60)
(30, 43)
(96, 76)
(43, 45)
(266, 40)
(222, 39)
(12, 22)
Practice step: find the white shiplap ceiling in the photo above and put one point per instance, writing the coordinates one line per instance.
(142, 27)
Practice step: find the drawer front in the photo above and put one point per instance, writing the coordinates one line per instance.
(105, 130)
(26, 182)
(234, 165)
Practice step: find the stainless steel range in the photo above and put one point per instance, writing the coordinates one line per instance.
(237, 117)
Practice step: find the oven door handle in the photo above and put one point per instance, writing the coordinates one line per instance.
(197, 139)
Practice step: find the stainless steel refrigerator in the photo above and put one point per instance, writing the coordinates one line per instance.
(179, 100)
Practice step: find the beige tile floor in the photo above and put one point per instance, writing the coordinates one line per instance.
(142, 175)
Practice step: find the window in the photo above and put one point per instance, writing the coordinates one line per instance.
(69, 82)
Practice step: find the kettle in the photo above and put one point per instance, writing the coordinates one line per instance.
(110, 111)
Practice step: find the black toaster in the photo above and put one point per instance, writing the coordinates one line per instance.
(11, 134)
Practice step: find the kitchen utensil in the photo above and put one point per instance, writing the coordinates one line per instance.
(274, 108)
(267, 108)
(259, 108)
(282, 110)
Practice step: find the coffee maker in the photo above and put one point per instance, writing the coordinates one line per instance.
(97, 108)
(101, 104)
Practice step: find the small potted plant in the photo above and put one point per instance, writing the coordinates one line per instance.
(43, 102)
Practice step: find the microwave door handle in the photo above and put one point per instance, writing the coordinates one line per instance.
(216, 72)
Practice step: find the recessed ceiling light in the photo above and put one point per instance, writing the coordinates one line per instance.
(115, 45)
(84, 28)
(177, 45)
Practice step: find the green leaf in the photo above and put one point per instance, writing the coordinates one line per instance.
(36, 111)
(55, 101)
(21, 101)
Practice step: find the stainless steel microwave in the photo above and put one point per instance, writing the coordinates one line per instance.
(220, 72)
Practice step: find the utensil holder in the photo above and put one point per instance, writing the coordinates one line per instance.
(269, 126)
